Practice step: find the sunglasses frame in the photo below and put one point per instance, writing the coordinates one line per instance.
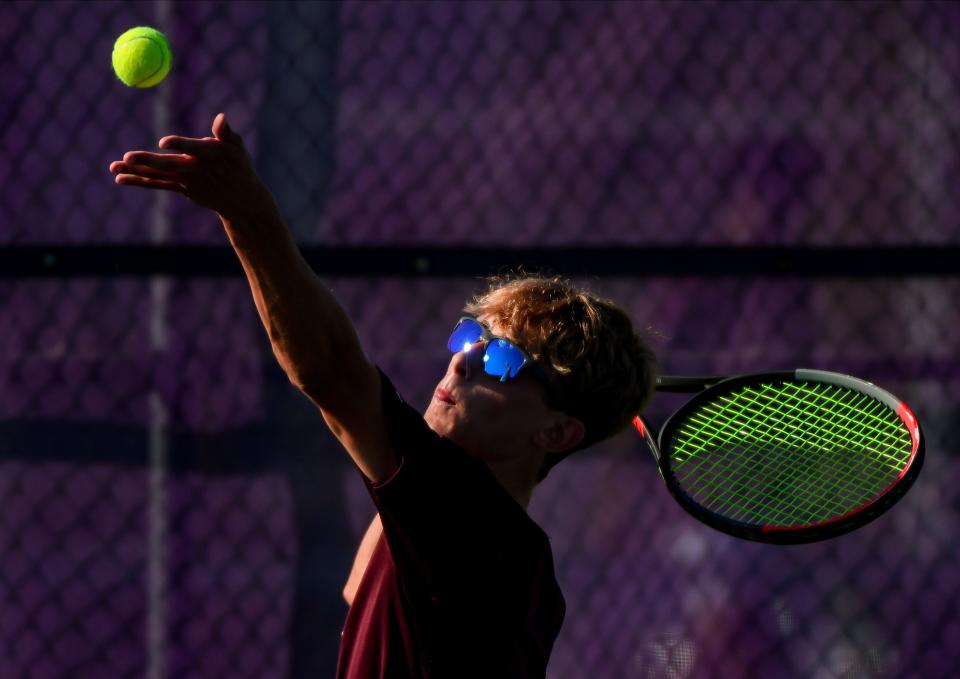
(535, 369)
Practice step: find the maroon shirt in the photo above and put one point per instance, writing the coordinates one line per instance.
(461, 583)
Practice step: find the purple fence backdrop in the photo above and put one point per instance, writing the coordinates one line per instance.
(171, 507)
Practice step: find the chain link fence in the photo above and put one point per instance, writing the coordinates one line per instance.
(171, 507)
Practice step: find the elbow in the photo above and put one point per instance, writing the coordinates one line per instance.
(312, 389)
(311, 382)
(326, 373)
(299, 373)
(298, 379)
(327, 382)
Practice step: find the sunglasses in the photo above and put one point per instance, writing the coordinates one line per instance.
(501, 358)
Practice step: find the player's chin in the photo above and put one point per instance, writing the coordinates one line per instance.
(440, 417)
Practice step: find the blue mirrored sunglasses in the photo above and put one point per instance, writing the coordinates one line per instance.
(501, 358)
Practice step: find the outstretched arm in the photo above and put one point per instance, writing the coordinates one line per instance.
(312, 337)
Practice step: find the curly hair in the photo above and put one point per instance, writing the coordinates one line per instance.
(602, 368)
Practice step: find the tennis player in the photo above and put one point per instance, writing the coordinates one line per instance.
(453, 579)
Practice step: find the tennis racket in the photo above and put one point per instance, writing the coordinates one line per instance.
(786, 457)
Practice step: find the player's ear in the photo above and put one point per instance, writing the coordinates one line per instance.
(560, 434)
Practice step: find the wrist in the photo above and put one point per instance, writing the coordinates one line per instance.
(253, 222)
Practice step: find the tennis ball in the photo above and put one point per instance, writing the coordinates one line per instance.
(141, 57)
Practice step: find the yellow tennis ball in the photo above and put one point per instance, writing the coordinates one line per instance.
(141, 57)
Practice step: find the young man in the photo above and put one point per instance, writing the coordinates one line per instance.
(452, 579)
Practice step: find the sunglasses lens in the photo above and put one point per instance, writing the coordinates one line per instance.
(464, 335)
(502, 359)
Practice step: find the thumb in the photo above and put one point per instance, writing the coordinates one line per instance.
(222, 131)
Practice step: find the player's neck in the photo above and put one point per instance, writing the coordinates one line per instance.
(518, 478)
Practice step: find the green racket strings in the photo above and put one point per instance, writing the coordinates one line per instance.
(789, 454)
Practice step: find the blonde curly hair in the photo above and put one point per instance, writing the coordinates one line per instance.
(600, 366)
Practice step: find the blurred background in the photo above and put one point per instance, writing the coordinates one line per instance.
(763, 184)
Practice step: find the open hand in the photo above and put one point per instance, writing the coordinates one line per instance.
(214, 172)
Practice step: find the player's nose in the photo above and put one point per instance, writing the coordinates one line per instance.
(469, 362)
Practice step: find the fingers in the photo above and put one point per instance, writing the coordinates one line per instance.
(207, 147)
(202, 148)
(167, 162)
(121, 167)
(149, 183)
(153, 171)
(198, 167)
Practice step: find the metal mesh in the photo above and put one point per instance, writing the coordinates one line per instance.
(510, 122)
(171, 507)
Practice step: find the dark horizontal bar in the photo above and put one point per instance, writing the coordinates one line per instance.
(41, 442)
(220, 261)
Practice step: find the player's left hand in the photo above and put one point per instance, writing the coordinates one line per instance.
(213, 172)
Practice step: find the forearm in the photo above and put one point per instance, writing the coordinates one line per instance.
(312, 338)
(311, 335)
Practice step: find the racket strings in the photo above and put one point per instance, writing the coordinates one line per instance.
(786, 480)
(783, 481)
(761, 468)
(789, 454)
(765, 422)
(778, 485)
(776, 421)
(785, 430)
